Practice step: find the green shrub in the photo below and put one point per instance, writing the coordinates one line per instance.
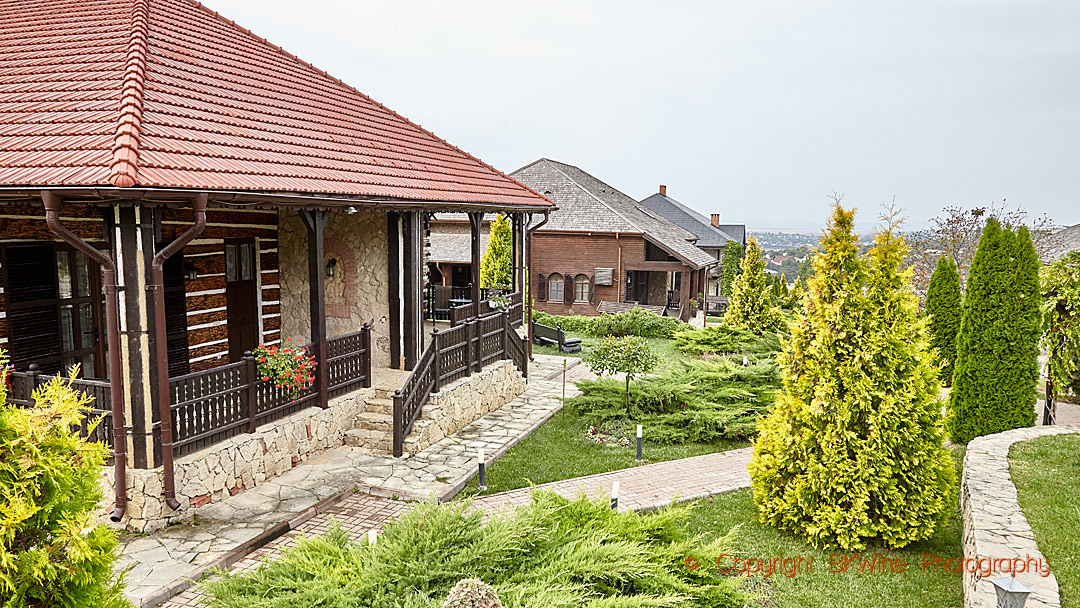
(703, 401)
(851, 451)
(1061, 318)
(51, 552)
(729, 266)
(552, 553)
(751, 304)
(472, 593)
(634, 322)
(997, 351)
(496, 266)
(943, 309)
(724, 339)
(626, 355)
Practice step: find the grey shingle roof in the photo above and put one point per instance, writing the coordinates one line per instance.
(586, 204)
(708, 235)
(1064, 241)
(450, 237)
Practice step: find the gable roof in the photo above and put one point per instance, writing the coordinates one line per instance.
(168, 94)
(690, 220)
(1063, 242)
(586, 204)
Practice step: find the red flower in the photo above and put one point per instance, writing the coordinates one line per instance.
(265, 378)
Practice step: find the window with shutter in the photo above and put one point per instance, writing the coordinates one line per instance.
(582, 288)
(541, 287)
(555, 287)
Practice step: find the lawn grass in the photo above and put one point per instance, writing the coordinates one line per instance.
(822, 589)
(1046, 473)
(559, 450)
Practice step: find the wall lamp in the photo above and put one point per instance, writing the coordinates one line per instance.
(330, 265)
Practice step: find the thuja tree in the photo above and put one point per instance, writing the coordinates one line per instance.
(943, 310)
(497, 265)
(997, 350)
(851, 451)
(51, 552)
(729, 266)
(1061, 318)
(751, 304)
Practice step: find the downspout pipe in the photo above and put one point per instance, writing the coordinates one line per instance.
(198, 205)
(528, 264)
(112, 340)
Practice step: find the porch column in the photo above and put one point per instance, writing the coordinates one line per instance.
(516, 281)
(393, 267)
(315, 221)
(133, 249)
(412, 251)
(476, 220)
(684, 295)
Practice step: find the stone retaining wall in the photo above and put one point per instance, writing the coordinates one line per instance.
(463, 401)
(994, 526)
(239, 463)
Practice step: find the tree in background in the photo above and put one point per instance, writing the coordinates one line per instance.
(751, 305)
(733, 252)
(1061, 318)
(51, 552)
(851, 451)
(629, 355)
(943, 310)
(997, 351)
(497, 265)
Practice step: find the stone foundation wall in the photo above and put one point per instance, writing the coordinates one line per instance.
(461, 402)
(994, 526)
(236, 464)
(356, 294)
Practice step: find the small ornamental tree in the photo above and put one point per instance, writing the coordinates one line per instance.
(997, 350)
(629, 355)
(497, 265)
(751, 306)
(943, 310)
(851, 451)
(51, 551)
(1061, 318)
(729, 266)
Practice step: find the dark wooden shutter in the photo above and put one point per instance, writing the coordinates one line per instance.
(568, 289)
(33, 323)
(541, 287)
(592, 289)
(176, 339)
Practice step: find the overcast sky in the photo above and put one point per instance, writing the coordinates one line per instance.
(756, 110)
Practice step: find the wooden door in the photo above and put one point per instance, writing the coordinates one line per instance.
(241, 296)
(637, 288)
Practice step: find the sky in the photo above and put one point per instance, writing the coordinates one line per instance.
(757, 110)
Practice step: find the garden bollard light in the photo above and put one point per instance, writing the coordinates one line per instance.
(564, 378)
(483, 472)
(639, 443)
(372, 536)
(1011, 593)
(745, 361)
(615, 495)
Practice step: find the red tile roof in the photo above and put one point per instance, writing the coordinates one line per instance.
(166, 93)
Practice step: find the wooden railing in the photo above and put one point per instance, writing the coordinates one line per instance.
(453, 354)
(213, 405)
(21, 392)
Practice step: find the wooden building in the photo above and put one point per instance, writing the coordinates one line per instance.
(175, 191)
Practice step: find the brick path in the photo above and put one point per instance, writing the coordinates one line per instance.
(645, 487)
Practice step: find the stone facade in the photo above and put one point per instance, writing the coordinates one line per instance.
(994, 526)
(463, 401)
(239, 463)
(356, 294)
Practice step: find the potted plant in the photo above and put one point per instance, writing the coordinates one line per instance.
(288, 366)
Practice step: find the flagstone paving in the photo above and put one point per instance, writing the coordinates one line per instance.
(158, 563)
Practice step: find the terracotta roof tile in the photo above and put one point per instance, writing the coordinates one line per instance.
(166, 93)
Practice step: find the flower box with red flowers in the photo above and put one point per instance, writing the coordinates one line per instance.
(287, 366)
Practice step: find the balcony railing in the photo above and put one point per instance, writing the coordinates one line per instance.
(21, 392)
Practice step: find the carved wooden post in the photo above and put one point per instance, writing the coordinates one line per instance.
(248, 407)
(468, 347)
(365, 343)
(31, 382)
(436, 363)
(399, 427)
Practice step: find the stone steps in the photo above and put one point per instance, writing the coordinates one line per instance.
(375, 421)
(380, 405)
(370, 439)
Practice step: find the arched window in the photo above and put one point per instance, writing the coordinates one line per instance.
(555, 287)
(581, 288)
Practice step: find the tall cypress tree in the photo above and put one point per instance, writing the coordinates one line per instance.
(852, 452)
(997, 351)
(751, 306)
(497, 267)
(943, 309)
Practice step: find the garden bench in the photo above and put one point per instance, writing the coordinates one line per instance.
(553, 336)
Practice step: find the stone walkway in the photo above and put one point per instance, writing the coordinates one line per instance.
(642, 488)
(161, 563)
